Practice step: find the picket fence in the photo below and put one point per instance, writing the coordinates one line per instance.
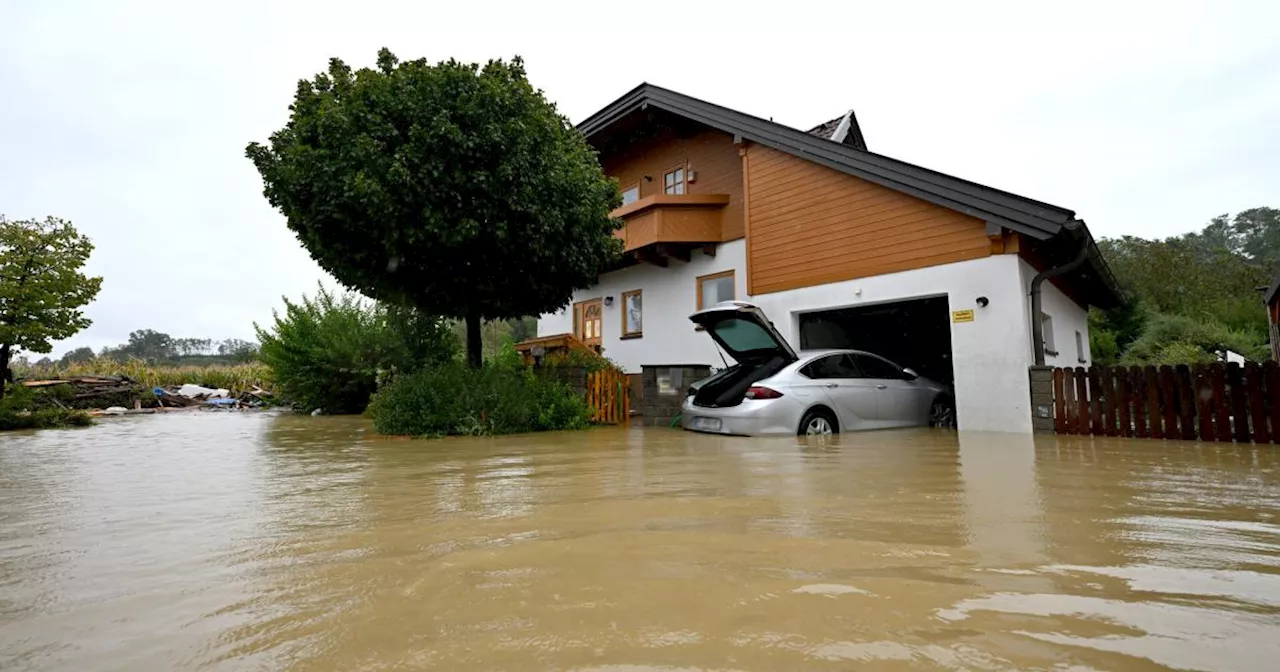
(1210, 402)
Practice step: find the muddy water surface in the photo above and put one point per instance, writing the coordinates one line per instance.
(260, 542)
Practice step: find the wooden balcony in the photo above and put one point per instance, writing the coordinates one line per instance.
(680, 220)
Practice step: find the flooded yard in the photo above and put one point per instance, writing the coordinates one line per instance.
(264, 542)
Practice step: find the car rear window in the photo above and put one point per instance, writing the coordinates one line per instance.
(743, 335)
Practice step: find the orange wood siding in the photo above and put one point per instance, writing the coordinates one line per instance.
(711, 154)
(810, 225)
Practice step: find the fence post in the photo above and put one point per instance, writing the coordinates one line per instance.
(1186, 401)
(1239, 412)
(1082, 401)
(1139, 402)
(1059, 402)
(1220, 402)
(1169, 401)
(1153, 402)
(1257, 411)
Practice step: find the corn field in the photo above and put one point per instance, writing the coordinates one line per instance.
(238, 377)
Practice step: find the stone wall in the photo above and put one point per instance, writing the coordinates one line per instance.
(1042, 399)
(664, 388)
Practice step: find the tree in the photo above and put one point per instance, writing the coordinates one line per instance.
(77, 355)
(42, 288)
(236, 348)
(455, 189)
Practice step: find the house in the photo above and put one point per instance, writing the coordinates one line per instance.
(840, 246)
(1272, 299)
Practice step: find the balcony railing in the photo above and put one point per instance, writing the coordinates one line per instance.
(667, 218)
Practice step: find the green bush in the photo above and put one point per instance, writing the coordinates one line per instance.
(1177, 339)
(329, 352)
(22, 408)
(453, 399)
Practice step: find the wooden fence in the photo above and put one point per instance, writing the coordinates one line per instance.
(1211, 402)
(609, 395)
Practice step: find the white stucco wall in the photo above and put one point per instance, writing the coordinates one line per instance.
(669, 297)
(990, 354)
(1067, 317)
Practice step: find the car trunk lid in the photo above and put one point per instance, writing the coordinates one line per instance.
(744, 332)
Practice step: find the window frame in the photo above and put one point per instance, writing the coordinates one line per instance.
(629, 187)
(1080, 347)
(626, 326)
(731, 273)
(1046, 333)
(683, 169)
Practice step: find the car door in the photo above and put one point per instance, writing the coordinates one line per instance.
(899, 398)
(853, 398)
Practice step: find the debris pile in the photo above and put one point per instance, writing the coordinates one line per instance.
(118, 394)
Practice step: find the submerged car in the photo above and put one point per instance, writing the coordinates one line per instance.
(772, 389)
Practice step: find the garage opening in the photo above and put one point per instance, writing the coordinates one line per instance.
(915, 334)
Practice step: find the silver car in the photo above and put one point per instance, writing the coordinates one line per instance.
(774, 390)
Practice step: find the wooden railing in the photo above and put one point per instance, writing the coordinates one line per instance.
(1210, 402)
(609, 395)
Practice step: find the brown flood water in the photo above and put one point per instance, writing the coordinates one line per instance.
(263, 542)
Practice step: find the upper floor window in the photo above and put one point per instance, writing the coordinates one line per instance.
(630, 194)
(673, 182)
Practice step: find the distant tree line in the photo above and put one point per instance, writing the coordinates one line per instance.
(160, 348)
(1191, 297)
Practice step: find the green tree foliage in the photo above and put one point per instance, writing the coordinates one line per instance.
(42, 286)
(455, 189)
(454, 399)
(1196, 292)
(76, 356)
(1178, 339)
(328, 352)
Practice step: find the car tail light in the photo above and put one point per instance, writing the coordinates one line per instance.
(762, 392)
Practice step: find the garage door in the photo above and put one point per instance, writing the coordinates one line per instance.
(914, 333)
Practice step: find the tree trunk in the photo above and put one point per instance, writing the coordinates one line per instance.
(6, 376)
(475, 344)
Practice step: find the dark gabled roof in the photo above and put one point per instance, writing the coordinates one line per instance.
(837, 130)
(1038, 220)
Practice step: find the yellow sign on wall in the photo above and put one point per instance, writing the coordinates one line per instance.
(962, 316)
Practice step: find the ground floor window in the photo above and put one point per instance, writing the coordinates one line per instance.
(632, 314)
(714, 288)
(1046, 325)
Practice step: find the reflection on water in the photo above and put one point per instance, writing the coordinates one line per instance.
(281, 542)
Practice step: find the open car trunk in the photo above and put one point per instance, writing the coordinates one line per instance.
(742, 330)
(729, 389)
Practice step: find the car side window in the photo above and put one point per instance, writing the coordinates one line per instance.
(874, 367)
(831, 366)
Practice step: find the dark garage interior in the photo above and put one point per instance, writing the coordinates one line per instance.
(915, 334)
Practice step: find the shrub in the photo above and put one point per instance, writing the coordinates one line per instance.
(453, 399)
(329, 352)
(1177, 339)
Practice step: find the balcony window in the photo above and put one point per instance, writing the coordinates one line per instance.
(673, 182)
(630, 194)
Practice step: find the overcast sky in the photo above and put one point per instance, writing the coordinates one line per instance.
(130, 118)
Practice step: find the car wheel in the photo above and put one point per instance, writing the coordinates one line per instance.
(943, 413)
(818, 422)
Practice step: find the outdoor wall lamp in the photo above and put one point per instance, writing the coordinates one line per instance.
(983, 301)
(608, 300)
